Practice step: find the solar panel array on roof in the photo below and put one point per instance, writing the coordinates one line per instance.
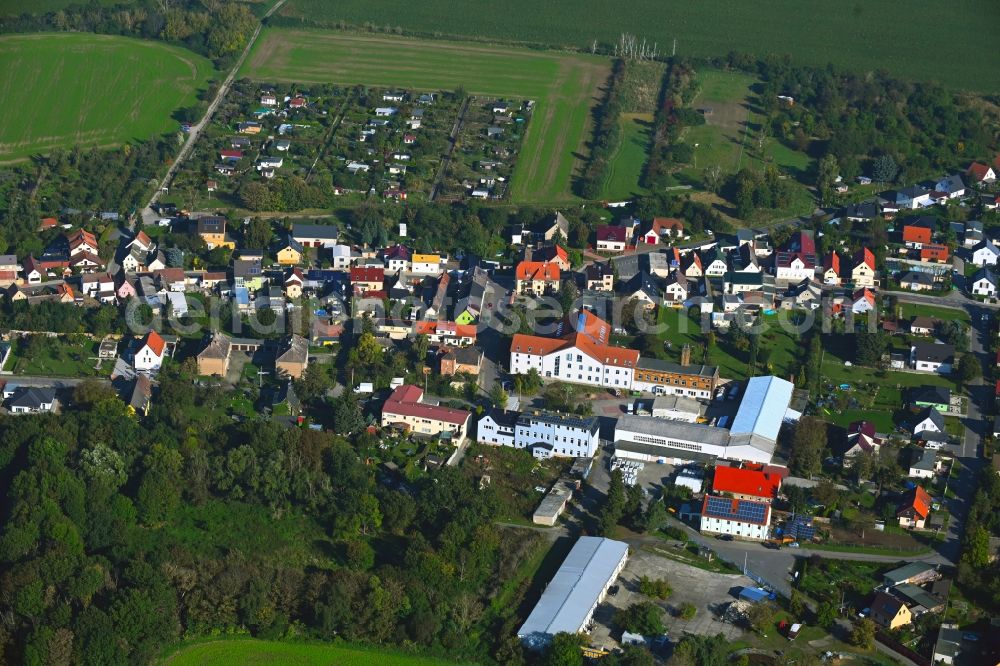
(730, 509)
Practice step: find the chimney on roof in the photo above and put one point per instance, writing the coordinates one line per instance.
(686, 355)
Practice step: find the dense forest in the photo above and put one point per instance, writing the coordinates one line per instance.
(119, 538)
(218, 30)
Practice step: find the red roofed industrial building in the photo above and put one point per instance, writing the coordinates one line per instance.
(406, 409)
(746, 484)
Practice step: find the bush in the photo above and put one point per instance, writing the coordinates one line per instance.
(644, 618)
(675, 533)
(687, 611)
(657, 588)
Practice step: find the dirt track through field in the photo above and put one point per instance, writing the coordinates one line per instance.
(565, 87)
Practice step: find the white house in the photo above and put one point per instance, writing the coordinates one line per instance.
(426, 264)
(985, 254)
(557, 435)
(497, 427)
(952, 186)
(385, 111)
(924, 465)
(984, 283)
(930, 357)
(150, 355)
(340, 256)
(744, 519)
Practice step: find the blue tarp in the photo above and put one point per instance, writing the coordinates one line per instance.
(753, 594)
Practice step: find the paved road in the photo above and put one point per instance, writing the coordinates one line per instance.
(148, 215)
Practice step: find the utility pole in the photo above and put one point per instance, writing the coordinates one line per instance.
(260, 378)
(674, 51)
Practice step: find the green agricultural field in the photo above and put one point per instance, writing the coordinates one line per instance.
(626, 165)
(249, 652)
(61, 90)
(564, 86)
(18, 7)
(862, 36)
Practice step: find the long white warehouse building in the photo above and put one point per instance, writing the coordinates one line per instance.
(569, 601)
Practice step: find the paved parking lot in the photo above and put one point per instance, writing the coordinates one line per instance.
(709, 592)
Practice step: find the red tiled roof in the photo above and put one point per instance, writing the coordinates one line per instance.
(611, 233)
(864, 256)
(48, 223)
(661, 224)
(535, 345)
(405, 401)
(154, 342)
(444, 328)
(919, 501)
(367, 274)
(978, 170)
(537, 270)
(832, 260)
(865, 294)
(745, 482)
(236, 154)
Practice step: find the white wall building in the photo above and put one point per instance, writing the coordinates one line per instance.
(150, 355)
(557, 435)
(497, 427)
(745, 519)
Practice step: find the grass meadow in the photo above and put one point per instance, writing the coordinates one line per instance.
(861, 36)
(565, 87)
(61, 90)
(250, 652)
(626, 165)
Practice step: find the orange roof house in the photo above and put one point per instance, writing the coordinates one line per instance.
(536, 277)
(746, 483)
(935, 253)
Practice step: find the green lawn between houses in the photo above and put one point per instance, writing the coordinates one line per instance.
(67, 89)
(564, 87)
(248, 652)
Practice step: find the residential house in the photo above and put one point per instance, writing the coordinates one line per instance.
(8, 269)
(149, 357)
(212, 230)
(31, 399)
(366, 279)
(691, 266)
(745, 519)
(612, 238)
(972, 233)
(924, 464)
(914, 510)
(599, 276)
(341, 257)
(248, 274)
(831, 269)
(889, 611)
(171, 279)
(33, 271)
(294, 282)
(980, 173)
(916, 281)
(538, 278)
(861, 439)
(662, 229)
(919, 232)
(949, 645)
(910, 198)
(866, 211)
(292, 357)
(407, 408)
(397, 258)
(643, 289)
(676, 289)
(862, 301)
(930, 357)
(713, 263)
(461, 359)
(863, 268)
(934, 397)
(953, 187)
(985, 253)
(214, 358)
(797, 261)
(929, 422)
(552, 254)
(315, 235)
(984, 283)
(934, 253)
(922, 325)
(744, 260)
(290, 252)
(557, 228)
(426, 264)
(100, 286)
(141, 395)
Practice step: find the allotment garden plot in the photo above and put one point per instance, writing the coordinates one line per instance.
(564, 87)
(286, 148)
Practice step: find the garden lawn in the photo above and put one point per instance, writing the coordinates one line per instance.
(68, 89)
(626, 164)
(859, 36)
(910, 310)
(565, 88)
(249, 652)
